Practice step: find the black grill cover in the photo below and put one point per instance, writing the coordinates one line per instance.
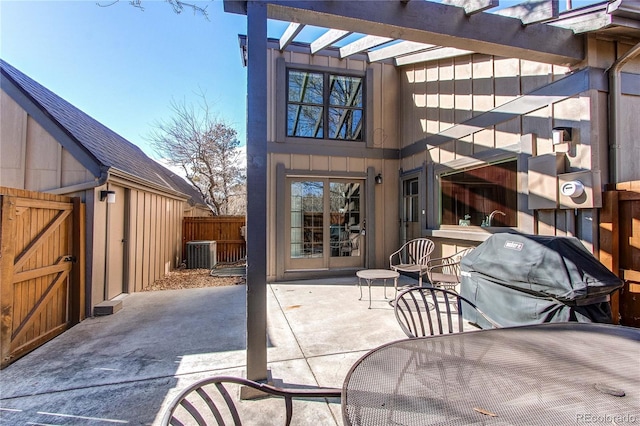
(518, 279)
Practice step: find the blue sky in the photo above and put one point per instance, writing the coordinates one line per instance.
(124, 66)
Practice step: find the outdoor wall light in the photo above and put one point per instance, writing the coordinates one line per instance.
(110, 196)
(379, 178)
(561, 135)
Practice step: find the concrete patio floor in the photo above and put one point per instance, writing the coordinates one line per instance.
(127, 367)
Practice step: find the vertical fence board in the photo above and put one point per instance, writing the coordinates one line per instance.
(225, 230)
(620, 248)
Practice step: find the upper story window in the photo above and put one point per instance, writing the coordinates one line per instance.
(324, 105)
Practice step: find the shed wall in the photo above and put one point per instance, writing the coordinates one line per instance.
(148, 222)
(31, 158)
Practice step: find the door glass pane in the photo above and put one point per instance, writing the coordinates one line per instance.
(411, 205)
(345, 219)
(307, 222)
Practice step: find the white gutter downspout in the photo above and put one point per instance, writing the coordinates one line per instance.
(104, 176)
(615, 94)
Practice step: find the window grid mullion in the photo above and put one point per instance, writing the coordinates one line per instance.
(324, 117)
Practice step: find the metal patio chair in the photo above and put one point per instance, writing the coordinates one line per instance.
(428, 311)
(445, 271)
(412, 257)
(210, 401)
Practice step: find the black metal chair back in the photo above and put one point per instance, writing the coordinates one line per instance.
(429, 311)
(212, 401)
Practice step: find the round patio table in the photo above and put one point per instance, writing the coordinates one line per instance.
(377, 274)
(548, 374)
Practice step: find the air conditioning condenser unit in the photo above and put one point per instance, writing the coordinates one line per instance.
(201, 254)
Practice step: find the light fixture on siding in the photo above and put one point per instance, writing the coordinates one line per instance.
(561, 135)
(379, 178)
(110, 196)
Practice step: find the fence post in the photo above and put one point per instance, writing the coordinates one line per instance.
(7, 256)
(609, 253)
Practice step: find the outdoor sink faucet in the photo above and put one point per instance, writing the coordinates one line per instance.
(493, 213)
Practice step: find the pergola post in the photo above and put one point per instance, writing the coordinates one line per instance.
(257, 188)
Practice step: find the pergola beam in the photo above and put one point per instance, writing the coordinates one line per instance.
(438, 24)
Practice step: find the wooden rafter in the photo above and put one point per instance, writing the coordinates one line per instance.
(327, 39)
(438, 24)
(398, 49)
(431, 55)
(362, 44)
(289, 34)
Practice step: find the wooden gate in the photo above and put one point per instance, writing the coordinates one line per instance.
(620, 248)
(40, 266)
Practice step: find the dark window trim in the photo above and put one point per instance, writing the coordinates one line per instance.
(519, 151)
(326, 101)
(419, 173)
(513, 160)
(281, 95)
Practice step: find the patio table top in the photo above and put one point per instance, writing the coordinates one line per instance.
(561, 373)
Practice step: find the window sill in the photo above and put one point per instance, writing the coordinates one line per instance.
(324, 142)
(467, 233)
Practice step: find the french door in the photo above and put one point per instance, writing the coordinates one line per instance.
(325, 223)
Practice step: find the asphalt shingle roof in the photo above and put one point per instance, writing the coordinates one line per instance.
(107, 147)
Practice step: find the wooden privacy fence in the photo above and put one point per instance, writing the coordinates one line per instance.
(41, 269)
(620, 248)
(225, 230)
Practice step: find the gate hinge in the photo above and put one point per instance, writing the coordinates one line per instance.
(70, 259)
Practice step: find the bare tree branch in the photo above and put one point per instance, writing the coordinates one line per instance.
(107, 5)
(207, 149)
(177, 5)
